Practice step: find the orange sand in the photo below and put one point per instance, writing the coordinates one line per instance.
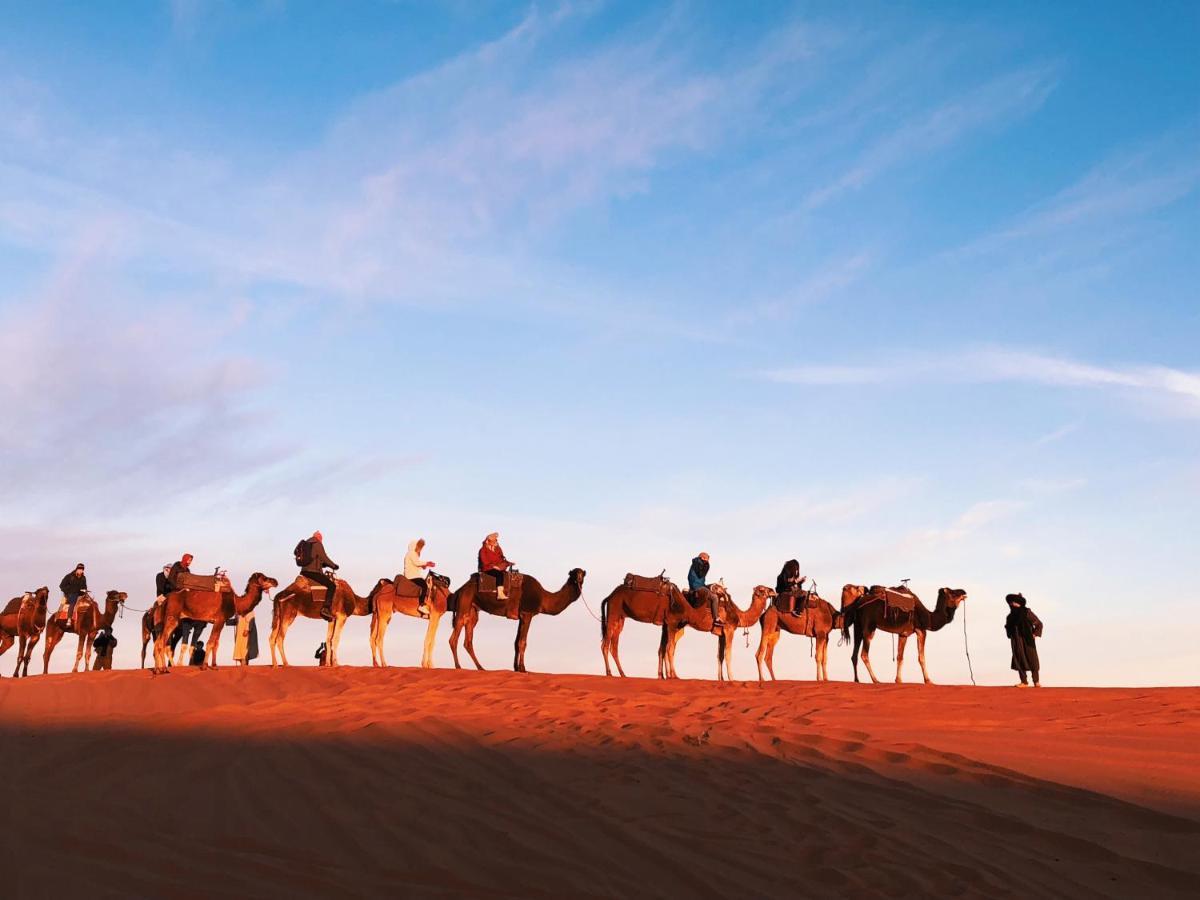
(362, 782)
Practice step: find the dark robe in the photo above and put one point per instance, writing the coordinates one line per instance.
(1022, 626)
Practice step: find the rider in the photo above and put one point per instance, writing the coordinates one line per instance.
(790, 581)
(697, 582)
(492, 561)
(182, 567)
(310, 556)
(414, 570)
(73, 586)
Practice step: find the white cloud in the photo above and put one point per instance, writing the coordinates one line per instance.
(1175, 390)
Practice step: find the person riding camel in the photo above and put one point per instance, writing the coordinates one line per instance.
(414, 571)
(790, 582)
(698, 586)
(182, 567)
(493, 562)
(312, 560)
(73, 586)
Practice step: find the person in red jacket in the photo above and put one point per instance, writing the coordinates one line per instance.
(492, 561)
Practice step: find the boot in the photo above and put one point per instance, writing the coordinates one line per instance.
(327, 611)
(501, 593)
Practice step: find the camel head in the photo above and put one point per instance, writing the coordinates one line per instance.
(952, 597)
(575, 577)
(264, 582)
(852, 593)
(117, 597)
(764, 594)
(41, 595)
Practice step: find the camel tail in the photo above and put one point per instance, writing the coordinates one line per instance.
(603, 617)
(844, 624)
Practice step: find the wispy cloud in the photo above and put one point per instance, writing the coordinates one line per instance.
(1177, 389)
(992, 103)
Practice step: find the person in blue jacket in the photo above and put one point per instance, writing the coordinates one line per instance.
(698, 585)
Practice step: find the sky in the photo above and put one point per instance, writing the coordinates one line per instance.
(900, 290)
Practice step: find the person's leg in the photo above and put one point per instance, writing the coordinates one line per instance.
(1036, 680)
(422, 587)
(330, 588)
(714, 607)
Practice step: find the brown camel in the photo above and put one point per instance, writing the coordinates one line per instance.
(150, 628)
(86, 621)
(214, 607)
(297, 600)
(640, 604)
(700, 618)
(388, 600)
(815, 621)
(24, 617)
(866, 610)
(532, 600)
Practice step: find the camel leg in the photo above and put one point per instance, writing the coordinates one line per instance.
(605, 625)
(674, 645)
(614, 644)
(854, 652)
(722, 644)
(214, 643)
(6, 641)
(866, 655)
(331, 642)
(373, 636)
(822, 656)
(469, 637)
(774, 639)
(522, 639)
(662, 653)
(430, 637)
(29, 654)
(87, 652)
(900, 656)
(79, 655)
(145, 643)
(921, 635)
(727, 652)
(4, 645)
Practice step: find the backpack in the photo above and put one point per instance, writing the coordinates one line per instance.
(303, 552)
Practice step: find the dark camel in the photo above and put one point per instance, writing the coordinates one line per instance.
(25, 618)
(700, 618)
(86, 621)
(816, 622)
(214, 607)
(865, 611)
(297, 600)
(388, 600)
(640, 605)
(533, 600)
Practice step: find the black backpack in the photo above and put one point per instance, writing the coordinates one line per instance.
(303, 552)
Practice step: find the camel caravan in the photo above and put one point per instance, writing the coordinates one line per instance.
(186, 603)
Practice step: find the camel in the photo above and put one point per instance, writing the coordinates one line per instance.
(297, 600)
(866, 611)
(214, 607)
(815, 622)
(387, 600)
(24, 617)
(86, 621)
(641, 605)
(151, 623)
(700, 618)
(532, 600)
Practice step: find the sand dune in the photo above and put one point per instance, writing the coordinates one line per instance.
(358, 782)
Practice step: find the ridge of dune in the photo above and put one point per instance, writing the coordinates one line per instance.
(309, 781)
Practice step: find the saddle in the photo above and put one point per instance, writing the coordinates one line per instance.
(186, 581)
(804, 600)
(899, 603)
(657, 584)
(486, 587)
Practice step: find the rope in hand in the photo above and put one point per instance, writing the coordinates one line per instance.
(967, 647)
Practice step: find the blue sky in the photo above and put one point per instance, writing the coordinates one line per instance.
(903, 290)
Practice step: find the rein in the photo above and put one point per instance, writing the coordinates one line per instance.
(967, 648)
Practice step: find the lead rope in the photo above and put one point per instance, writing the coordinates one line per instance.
(967, 647)
(589, 608)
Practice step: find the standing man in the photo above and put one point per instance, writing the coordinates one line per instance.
(414, 570)
(73, 585)
(311, 558)
(1022, 628)
(492, 561)
(698, 585)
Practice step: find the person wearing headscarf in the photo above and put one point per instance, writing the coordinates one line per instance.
(415, 570)
(245, 639)
(493, 562)
(1023, 628)
(698, 585)
(790, 581)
